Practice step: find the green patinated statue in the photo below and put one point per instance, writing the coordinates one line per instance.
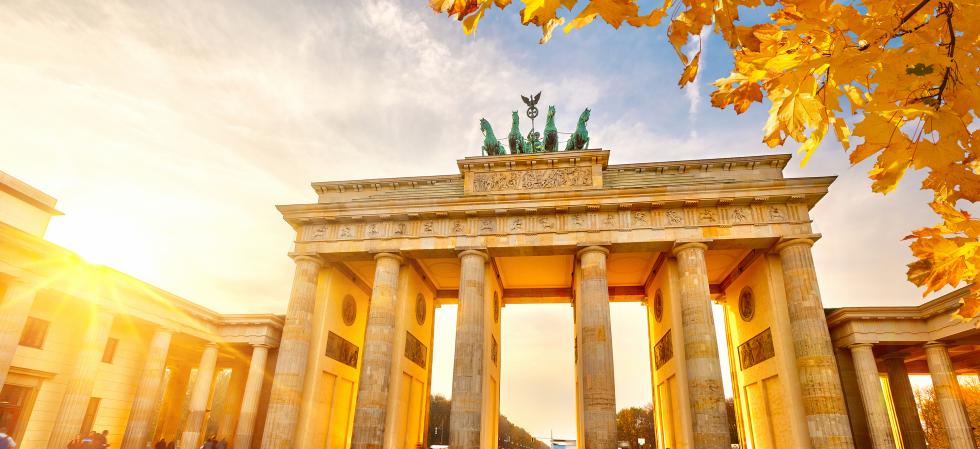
(491, 146)
(533, 142)
(515, 140)
(550, 132)
(579, 140)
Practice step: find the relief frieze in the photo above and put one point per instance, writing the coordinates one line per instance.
(544, 179)
(502, 223)
(341, 350)
(663, 351)
(756, 350)
(415, 350)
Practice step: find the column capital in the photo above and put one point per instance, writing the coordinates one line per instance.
(682, 246)
(307, 258)
(860, 345)
(788, 241)
(934, 344)
(387, 255)
(474, 252)
(260, 345)
(592, 249)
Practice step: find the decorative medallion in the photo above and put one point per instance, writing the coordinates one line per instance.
(349, 310)
(746, 304)
(658, 306)
(496, 308)
(420, 310)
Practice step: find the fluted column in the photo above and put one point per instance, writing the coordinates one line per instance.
(710, 419)
(198, 405)
(823, 399)
(949, 397)
(466, 409)
(144, 404)
(250, 397)
(909, 424)
(596, 354)
(79, 389)
(852, 397)
(869, 383)
(14, 309)
(379, 338)
(294, 351)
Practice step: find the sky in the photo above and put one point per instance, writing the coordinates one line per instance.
(169, 130)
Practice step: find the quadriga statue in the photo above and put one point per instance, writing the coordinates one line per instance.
(579, 140)
(491, 146)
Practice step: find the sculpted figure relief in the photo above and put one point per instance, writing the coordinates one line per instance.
(532, 179)
(543, 222)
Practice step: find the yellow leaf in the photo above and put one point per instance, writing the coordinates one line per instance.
(854, 95)
(469, 23)
(548, 28)
(650, 20)
(842, 131)
(691, 71)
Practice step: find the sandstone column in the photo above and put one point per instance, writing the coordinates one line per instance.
(465, 414)
(372, 389)
(909, 425)
(872, 397)
(14, 309)
(250, 397)
(144, 404)
(294, 350)
(823, 400)
(201, 392)
(949, 397)
(89, 352)
(707, 397)
(598, 382)
(852, 397)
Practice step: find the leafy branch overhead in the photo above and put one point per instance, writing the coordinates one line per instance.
(899, 77)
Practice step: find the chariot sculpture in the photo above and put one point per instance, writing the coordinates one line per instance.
(534, 142)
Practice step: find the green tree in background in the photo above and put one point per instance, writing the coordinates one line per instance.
(510, 436)
(634, 423)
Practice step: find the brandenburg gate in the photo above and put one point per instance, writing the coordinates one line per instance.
(375, 258)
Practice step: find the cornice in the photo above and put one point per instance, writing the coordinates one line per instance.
(939, 306)
(807, 189)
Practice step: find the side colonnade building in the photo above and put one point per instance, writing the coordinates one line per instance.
(86, 348)
(349, 365)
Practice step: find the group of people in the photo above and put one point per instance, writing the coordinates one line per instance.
(93, 440)
(211, 442)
